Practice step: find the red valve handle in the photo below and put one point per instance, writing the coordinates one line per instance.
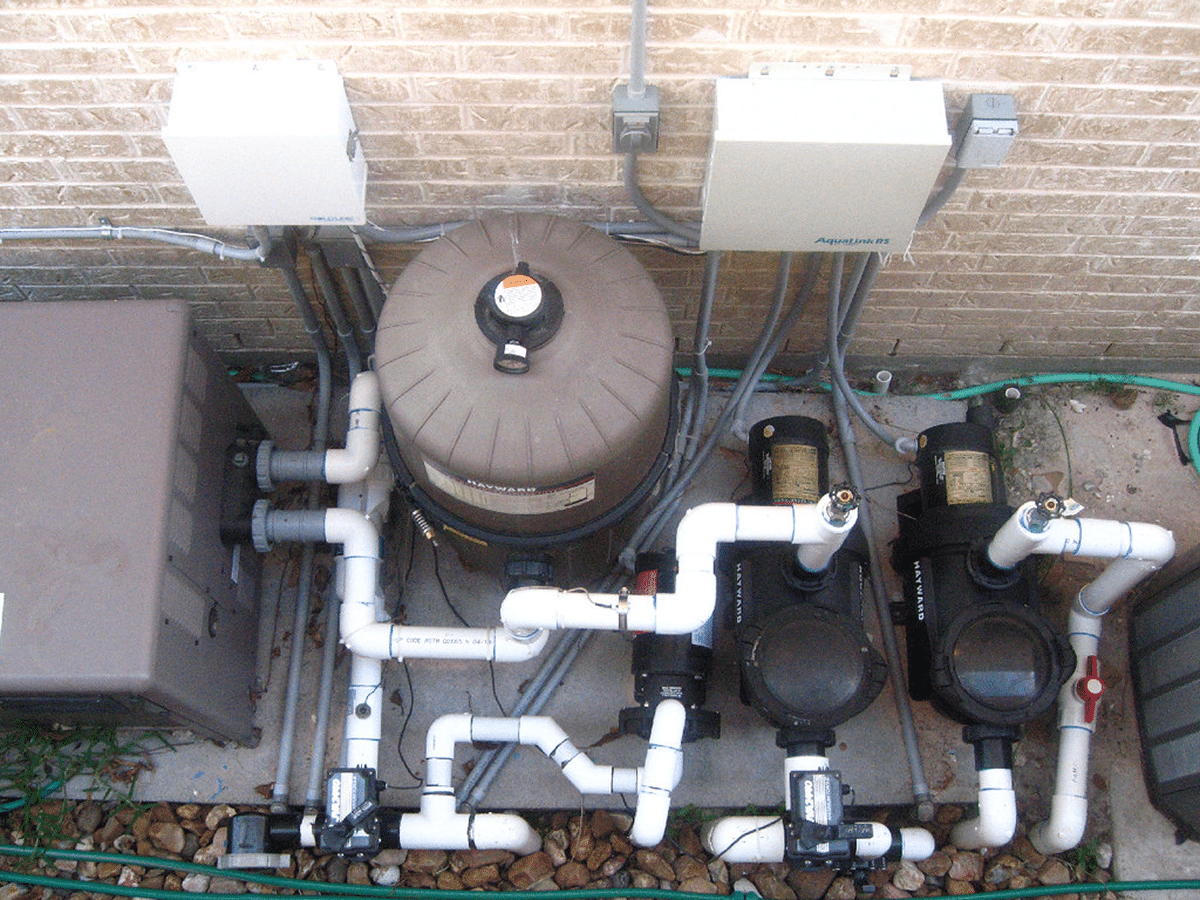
(1090, 688)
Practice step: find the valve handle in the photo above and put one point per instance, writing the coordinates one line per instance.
(1090, 688)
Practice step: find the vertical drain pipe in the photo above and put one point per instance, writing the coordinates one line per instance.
(287, 728)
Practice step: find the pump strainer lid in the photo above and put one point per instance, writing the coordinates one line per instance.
(812, 668)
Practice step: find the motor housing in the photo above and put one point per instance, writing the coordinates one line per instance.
(978, 646)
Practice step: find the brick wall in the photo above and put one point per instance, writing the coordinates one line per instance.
(1085, 245)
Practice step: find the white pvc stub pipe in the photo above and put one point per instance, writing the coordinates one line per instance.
(997, 820)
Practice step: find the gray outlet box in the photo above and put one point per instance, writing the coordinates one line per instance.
(119, 602)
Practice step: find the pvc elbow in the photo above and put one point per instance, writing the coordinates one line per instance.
(358, 458)
(1064, 829)
(916, 844)
(509, 647)
(661, 773)
(354, 531)
(745, 839)
(997, 820)
(650, 819)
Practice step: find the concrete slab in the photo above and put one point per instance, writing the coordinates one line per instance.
(1120, 463)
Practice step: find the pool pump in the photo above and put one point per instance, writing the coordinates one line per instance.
(978, 647)
(806, 666)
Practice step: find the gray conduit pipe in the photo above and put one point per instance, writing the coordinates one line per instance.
(689, 233)
(329, 650)
(870, 264)
(358, 299)
(712, 273)
(287, 728)
(199, 242)
(891, 651)
(637, 49)
(337, 312)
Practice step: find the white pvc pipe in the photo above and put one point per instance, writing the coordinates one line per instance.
(660, 775)
(997, 820)
(653, 782)
(356, 460)
(462, 831)
(364, 714)
(1136, 549)
(691, 605)
(760, 839)
(1068, 808)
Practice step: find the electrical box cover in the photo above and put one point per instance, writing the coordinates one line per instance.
(267, 143)
(119, 603)
(817, 158)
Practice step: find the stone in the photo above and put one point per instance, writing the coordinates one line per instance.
(582, 841)
(689, 867)
(572, 875)
(652, 862)
(385, 876)
(966, 865)
(195, 883)
(358, 873)
(698, 886)
(841, 888)
(602, 824)
(187, 811)
(640, 879)
(689, 841)
(1000, 870)
(422, 880)
(140, 827)
(461, 860)
(620, 844)
(622, 822)
(1024, 850)
(88, 817)
(106, 870)
(948, 814)
(908, 877)
(449, 881)
(431, 861)
(612, 866)
(745, 886)
(219, 815)
(1104, 855)
(336, 870)
(936, 864)
(113, 829)
(958, 888)
(771, 887)
(387, 858)
(1054, 871)
(810, 885)
(890, 892)
(555, 846)
(529, 870)
(481, 876)
(166, 836)
(601, 851)
(226, 886)
(1020, 882)
(718, 872)
(162, 812)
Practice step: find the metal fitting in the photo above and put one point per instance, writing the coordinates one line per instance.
(843, 500)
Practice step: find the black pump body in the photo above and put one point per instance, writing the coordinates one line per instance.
(978, 647)
(805, 660)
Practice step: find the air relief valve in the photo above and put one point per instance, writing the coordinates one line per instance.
(518, 312)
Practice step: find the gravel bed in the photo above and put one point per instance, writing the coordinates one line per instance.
(588, 851)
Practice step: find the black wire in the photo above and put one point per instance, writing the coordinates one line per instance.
(437, 573)
(496, 696)
(912, 473)
(412, 701)
(747, 834)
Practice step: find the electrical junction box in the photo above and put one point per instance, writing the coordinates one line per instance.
(267, 143)
(119, 603)
(813, 158)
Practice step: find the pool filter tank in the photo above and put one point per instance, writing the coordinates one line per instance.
(525, 363)
(978, 647)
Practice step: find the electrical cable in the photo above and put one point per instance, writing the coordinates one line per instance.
(412, 702)
(107, 231)
(920, 787)
(687, 232)
(318, 889)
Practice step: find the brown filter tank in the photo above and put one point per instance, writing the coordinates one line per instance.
(526, 367)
